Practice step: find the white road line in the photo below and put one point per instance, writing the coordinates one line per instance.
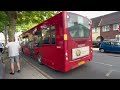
(102, 63)
(116, 70)
(108, 74)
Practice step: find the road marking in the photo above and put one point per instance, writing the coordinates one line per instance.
(102, 63)
(113, 55)
(116, 70)
(43, 73)
(108, 74)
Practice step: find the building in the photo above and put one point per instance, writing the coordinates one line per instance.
(96, 28)
(109, 25)
(106, 26)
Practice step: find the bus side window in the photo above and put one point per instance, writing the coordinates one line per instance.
(37, 39)
(53, 34)
(46, 35)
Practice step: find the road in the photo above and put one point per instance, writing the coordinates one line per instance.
(103, 66)
(2, 71)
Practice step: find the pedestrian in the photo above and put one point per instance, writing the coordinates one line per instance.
(13, 51)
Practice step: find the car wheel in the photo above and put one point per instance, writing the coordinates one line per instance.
(102, 50)
(39, 59)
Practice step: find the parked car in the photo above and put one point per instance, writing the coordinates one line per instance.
(110, 46)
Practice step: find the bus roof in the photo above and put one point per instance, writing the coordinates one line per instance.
(30, 30)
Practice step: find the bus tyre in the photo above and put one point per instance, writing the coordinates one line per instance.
(102, 50)
(39, 59)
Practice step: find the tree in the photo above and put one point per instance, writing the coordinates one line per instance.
(29, 19)
(3, 20)
(23, 20)
(12, 17)
(3, 24)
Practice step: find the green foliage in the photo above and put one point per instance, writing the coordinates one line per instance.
(3, 20)
(26, 19)
(29, 19)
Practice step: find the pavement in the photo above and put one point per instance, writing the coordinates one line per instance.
(27, 71)
(2, 73)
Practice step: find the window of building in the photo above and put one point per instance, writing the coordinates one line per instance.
(105, 28)
(95, 30)
(115, 26)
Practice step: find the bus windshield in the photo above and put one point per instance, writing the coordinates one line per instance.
(78, 26)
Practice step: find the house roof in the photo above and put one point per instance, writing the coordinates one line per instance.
(110, 19)
(96, 21)
(107, 19)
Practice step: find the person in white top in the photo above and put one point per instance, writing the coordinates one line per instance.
(13, 51)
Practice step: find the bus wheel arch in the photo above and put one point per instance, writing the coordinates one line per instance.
(39, 59)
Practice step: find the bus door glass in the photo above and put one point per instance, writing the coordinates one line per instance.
(31, 48)
(37, 39)
(25, 46)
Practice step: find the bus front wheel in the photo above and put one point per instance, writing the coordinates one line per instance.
(39, 59)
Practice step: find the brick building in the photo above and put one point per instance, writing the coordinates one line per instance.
(95, 28)
(108, 26)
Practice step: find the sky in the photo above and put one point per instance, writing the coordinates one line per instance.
(93, 14)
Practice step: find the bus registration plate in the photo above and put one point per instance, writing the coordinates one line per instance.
(82, 62)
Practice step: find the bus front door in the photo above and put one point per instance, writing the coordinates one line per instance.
(31, 49)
